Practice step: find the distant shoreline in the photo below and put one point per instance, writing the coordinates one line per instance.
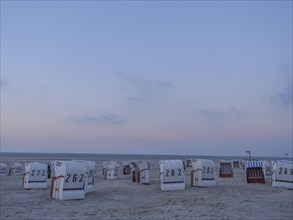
(102, 156)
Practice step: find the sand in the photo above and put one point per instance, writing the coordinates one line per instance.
(232, 198)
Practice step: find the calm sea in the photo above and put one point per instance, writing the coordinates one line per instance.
(120, 157)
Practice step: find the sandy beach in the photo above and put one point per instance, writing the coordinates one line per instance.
(95, 82)
(231, 198)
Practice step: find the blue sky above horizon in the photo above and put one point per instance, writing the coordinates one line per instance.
(192, 77)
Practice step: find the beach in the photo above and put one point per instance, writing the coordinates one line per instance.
(231, 198)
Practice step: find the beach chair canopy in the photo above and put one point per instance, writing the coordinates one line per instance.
(253, 164)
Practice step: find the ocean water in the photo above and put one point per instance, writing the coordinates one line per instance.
(122, 157)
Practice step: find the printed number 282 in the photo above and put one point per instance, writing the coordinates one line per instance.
(172, 172)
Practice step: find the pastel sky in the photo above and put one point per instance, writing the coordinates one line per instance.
(167, 77)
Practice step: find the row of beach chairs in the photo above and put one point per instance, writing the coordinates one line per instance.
(73, 179)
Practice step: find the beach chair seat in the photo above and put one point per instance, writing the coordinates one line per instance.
(226, 169)
(141, 172)
(254, 172)
(126, 168)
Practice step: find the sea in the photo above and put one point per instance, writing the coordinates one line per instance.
(5, 156)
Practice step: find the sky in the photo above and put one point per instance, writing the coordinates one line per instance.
(146, 77)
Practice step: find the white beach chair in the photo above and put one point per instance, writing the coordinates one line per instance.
(141, 173)
(69, 180)
(3, 169)
(15, 169)
(110, 170)
(35, 176)
(203, 173)
(282, 175)
(172, 175)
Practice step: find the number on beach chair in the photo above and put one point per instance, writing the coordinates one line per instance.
(90, 175)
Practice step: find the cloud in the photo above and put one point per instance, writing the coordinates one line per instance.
(214, 117)
(284, 97)
(44, 88)
(98, 119)
(140, 90)
(211, 114)
(235, 112)
(3, 83)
